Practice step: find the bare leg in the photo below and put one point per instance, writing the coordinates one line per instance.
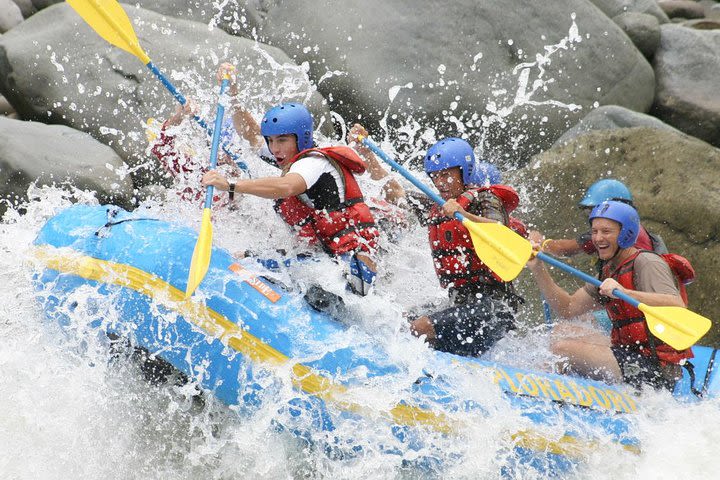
(588, 356)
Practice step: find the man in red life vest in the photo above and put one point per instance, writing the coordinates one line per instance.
(635, 356)
(317, 193)
(482, 306)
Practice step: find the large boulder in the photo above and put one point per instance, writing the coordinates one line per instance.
(58, 155)
(613, 8)
(687, 68)
(513, 77)
(643, 30)
(611, 117)
(673, 178)
(10, 15)
(55, 69)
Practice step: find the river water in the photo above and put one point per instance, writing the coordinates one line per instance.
(69, 412)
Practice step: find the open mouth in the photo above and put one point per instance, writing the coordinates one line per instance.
(602, 248)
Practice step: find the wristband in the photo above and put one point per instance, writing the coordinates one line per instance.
(542, 246)
(231, 191)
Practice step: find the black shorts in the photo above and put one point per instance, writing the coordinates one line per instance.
(638, 369)
(472, 328)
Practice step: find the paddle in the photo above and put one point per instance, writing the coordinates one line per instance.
(110, 21)
(506, 253)
(677, 326)
(501, 249)
(203, 248)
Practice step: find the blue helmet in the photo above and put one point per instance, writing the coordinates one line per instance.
(288, 118)
(606, 189)
(486, 173)
(449, 153)
(623, 214)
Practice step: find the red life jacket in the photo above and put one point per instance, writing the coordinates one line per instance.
(349, 228)
(518, 226)
(454, 257)
(629, 327)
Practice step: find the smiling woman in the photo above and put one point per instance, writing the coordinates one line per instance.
(634, 355)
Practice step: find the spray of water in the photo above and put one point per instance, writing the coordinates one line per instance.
(77, 406)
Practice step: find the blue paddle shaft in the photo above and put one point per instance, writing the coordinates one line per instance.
(584, 276)
(411, 178)
(182, 100)
(216, 141)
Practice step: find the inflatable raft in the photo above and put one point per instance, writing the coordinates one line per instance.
(240, 330)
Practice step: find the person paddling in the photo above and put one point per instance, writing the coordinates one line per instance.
(634, 356)
(481, 306)
(178, 157)
(317, 192)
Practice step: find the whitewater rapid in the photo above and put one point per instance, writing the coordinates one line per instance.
(69, 412)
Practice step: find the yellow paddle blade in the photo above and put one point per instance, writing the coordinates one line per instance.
(677, 326)
(201, 255)
(111, 22)
(502, 250)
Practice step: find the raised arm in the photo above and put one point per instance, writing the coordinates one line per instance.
(392, 190)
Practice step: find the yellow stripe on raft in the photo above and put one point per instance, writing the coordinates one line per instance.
(220, 327)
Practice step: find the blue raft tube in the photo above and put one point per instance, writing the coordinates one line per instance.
(241, 326)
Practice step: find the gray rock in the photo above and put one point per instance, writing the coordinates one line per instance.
(703, 24)
(40, 4)
(58, 155)
(713, 11)
(55, 69)
(613, 8)
(26, 7)
(5, 107)
(687, 68)
(612, 117)
(10, 15)
(233, 17)
(643, 30)
(682, 9)
(674, 181)
(464, 67)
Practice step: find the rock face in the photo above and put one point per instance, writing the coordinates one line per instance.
(234, 17)
(10, 15)
(682, 8)
(54, 68)
(613, 8)
(687, 67)
(507, 74)
(612, 117)
(673, 179)
(58, 155)
(26, 7)
(643, 30)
